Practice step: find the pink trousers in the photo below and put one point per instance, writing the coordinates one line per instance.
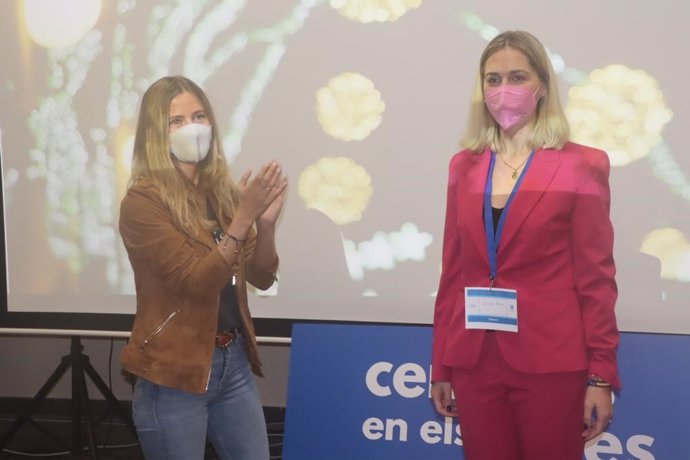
(509, 415)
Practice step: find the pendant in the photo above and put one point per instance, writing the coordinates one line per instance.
(514, 176)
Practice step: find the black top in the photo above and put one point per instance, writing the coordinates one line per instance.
(496, 214)
(229, 317)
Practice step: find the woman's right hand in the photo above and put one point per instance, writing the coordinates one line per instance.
(442, 396)
(258, 192)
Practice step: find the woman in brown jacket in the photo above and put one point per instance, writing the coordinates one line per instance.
(195, 238)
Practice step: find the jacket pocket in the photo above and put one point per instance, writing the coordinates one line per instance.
(152, 335)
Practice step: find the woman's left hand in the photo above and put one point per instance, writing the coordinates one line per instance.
(598, 411)
(270, 215)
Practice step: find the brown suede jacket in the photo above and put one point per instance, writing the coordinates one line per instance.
(178, 278)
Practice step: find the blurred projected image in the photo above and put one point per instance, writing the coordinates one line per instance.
(362, 102)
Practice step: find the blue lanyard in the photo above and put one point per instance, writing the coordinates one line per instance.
(494, 237)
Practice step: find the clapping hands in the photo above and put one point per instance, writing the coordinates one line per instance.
(262, 196)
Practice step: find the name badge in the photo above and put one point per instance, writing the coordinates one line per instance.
(491, 309)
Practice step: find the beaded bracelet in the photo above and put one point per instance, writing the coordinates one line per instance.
(238, 243)
(595, 381)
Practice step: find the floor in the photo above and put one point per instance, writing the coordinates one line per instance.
(50, 436)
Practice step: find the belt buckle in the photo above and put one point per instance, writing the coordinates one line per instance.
(225, 338)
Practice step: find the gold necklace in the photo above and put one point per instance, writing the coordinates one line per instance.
(515, 170)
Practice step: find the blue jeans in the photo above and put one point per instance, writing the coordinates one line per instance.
(173, 424)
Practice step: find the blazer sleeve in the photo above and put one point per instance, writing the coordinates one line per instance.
(156, 244)
(592, 237)
(450, 281)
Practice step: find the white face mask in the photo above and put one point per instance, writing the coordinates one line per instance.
(191, 143)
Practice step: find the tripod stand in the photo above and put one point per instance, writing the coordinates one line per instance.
(80, 365)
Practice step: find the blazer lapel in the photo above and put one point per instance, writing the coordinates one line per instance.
(470, 195)
(541, 172)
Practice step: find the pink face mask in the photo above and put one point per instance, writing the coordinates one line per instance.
(510, 104)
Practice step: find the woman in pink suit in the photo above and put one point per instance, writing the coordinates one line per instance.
(524, 328)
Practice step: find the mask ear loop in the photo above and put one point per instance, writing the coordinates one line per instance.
(539, 92)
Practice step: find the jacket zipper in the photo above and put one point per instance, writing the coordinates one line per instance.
(158, 329)
(208, 379)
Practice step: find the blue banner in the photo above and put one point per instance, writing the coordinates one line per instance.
(362, 392)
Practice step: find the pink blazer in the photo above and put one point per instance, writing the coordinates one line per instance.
(556, 251)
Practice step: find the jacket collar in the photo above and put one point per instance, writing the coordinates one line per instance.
(471, 195)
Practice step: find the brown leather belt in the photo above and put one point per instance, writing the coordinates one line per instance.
(225, 338)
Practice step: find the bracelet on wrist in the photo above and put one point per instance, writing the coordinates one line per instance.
(238, 243)
(594, 380)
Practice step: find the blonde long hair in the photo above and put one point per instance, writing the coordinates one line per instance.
(550, 129)
(152, 161)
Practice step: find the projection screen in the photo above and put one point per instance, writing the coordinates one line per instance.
(363, 103)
